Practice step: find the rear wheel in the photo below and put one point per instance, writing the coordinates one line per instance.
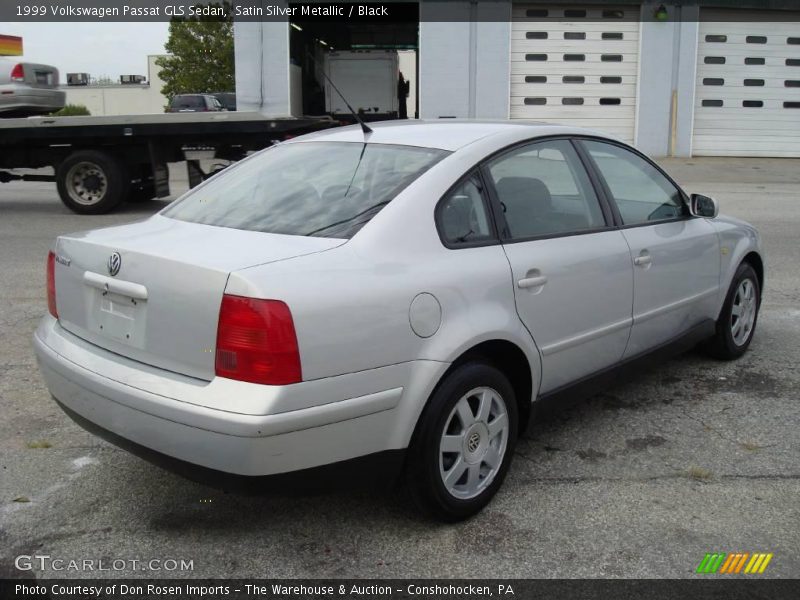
(464, 443)
(737, 320)
(91, 182)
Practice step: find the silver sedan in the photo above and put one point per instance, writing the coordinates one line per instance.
(29, 89)
(399, 299)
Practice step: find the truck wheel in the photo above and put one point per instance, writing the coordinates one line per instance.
(464, 443)
(91, 182)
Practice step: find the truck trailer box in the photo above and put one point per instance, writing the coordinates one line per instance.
(367, 78)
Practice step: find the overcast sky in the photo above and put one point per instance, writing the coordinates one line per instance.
(108, 48)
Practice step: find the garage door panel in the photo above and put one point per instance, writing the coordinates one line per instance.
(576, 46)
(743, 108)
(523, 68)
(597, 55)
(625, 93)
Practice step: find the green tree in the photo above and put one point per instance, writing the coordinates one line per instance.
(201, 54)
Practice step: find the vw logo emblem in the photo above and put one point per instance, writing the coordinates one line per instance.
(114, 263)
(474, 441)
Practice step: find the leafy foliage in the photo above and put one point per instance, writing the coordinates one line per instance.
(72, 110)
(201, 55)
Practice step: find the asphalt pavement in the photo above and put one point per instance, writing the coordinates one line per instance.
(642, 480)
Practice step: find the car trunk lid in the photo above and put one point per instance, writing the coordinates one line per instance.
(151, 291)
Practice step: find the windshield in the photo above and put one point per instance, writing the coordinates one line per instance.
(325, 189)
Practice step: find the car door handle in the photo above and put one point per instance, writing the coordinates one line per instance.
(532, 282)
(643, 260)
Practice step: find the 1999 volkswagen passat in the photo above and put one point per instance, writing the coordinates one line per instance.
(399, 297)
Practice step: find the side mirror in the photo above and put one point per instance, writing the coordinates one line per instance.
(703, 206)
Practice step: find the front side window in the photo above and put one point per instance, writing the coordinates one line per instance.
(640, 191)
(325, 189)
(463, 218)
(544, 190)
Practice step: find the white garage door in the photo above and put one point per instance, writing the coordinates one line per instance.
(576, 65)
(747, 100)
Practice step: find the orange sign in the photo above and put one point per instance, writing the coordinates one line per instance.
(10, 45)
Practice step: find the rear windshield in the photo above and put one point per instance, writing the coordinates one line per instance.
(188, 102)
(325, 189)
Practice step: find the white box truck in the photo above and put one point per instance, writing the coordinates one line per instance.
(367, 78)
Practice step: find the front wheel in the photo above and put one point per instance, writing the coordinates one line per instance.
(737, 320)
(464, 443)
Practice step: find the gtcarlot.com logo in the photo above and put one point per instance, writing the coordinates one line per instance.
(45, 562)
(734, 563)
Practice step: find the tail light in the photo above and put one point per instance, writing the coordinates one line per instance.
(256, 342)
(18, 73)
(51, 284)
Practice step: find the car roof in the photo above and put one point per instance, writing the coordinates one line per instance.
(444, 134)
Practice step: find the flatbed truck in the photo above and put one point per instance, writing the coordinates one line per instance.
(100, 162)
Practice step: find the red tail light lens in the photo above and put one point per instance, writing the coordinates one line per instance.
(256, 342)
(51, 284)
(18, 73)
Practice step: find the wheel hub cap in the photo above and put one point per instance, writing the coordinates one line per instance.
(743, 312)
(473, 443)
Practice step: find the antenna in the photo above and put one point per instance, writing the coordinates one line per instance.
(364, 127)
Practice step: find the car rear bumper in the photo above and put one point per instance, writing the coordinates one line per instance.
(77, 375)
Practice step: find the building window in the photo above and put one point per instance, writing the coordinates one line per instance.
(713, 81)
(610, 79)
(572, 101)
(714, 103)
(573, 79)
(756, 39)
(716, 38)
(536, 35)
(611, 35)
(535, 79)
(714, 60)
(535, 101)
(750, 60)
(752, 103)
(536, 57)
(611, 57)
(610, 101)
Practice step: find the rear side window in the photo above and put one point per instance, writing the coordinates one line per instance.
(544, 190)
(462, 214)
(188, 102)
(325, 189)
(640, 191)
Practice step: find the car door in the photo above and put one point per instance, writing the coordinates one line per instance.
(572, 273)
(675, 256)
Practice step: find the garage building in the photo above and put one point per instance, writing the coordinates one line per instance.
(674, 78)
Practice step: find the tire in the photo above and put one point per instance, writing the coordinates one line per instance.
(91, 182)
(483, 447)
(735, 332)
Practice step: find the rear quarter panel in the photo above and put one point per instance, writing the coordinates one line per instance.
(351, 304)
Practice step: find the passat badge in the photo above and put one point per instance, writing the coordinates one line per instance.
(114, 263)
